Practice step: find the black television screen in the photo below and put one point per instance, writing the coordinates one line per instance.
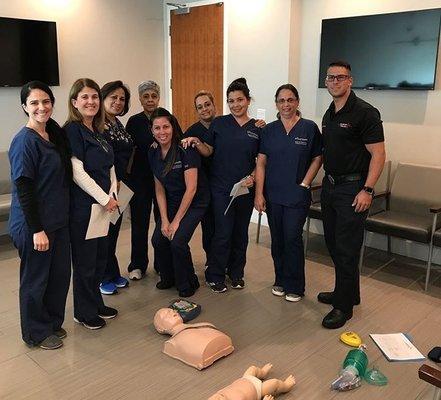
(28, 52)
(387, 51)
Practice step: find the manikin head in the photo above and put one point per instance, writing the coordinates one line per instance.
(166, 319)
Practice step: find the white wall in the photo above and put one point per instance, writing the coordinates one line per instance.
(101, 39)
(412, 120)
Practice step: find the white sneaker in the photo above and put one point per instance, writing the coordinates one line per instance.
(135, 275)
(278, 291)
(293, 297)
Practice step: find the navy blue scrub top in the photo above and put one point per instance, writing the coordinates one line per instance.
(200, 131)
(139, 127)
(174, 181)
(235, 151)
(33, 157)
(122, 145)
(97, 156)
(288, 159)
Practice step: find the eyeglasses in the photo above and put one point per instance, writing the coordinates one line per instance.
(340, 78)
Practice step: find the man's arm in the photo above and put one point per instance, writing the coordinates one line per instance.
(363, 199)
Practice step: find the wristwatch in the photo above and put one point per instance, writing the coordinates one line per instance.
(369, 190)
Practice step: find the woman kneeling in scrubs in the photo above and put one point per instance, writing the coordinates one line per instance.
(41, 173)
(234, 142)
(95, 182)
(289, 157)
(182, 194)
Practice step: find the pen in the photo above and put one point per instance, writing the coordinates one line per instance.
(114, 196)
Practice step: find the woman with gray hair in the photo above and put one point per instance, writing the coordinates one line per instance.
(141, 178)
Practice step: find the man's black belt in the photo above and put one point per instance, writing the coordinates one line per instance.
(338, 179)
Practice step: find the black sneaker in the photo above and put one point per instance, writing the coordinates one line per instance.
(161, 285)
(219, 287)
(237, 283)
(187, 292)
(107, 312)
(95, 323)
(52, 342)
(61, 333)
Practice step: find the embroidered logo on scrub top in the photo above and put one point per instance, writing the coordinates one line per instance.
(177, 165)
(252, 135)
(345, 125)
(301, 141)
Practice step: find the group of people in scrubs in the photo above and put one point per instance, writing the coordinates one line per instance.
(187, 179)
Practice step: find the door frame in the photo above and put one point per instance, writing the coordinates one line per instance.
(167, 52)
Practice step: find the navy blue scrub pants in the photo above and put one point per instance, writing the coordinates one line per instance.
(112, 268)
(343, 229)
(230, 240)
(173, 256)
(44, 283)
(286, 228)
(207, 225)
(89, 260)
(140, 209)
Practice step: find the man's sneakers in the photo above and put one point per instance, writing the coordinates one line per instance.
(121, 282)
(136, 275)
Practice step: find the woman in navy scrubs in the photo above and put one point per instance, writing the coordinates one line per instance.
(95, 182)
(41, 173)
(116, 99)
(289, 157)
(139, 127)
(183, 195)
(234, 142)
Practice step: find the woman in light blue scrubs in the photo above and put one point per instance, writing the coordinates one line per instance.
(38, 222)
(95, 182)
(289, 157)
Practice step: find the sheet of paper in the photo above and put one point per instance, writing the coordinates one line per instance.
(124, 196)
(236, 191)
(260, 114)
(397, 347)
(98, 222)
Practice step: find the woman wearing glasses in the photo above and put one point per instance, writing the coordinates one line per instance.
(290, 156)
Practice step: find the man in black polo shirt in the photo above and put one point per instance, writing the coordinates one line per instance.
(353, 159)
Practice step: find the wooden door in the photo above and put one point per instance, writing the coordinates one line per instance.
(196, 58)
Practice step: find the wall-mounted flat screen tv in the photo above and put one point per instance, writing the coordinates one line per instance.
(387, 51)
(28, 52)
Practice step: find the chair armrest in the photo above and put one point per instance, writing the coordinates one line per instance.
(379, 195)
(430, 374)
(435, 209)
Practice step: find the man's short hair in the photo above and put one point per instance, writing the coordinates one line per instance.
(340, 63)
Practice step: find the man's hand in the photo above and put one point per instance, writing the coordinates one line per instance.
(362, 201)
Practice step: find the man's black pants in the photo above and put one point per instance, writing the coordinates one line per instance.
(343, 229)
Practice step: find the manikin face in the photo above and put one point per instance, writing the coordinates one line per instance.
(166, 319)
(149, 100)
(238, 103)
(114, 103)
(205, 108)
(87, 102)
(38, 106)
(287, 103)
(335, 87)
(162, 131)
